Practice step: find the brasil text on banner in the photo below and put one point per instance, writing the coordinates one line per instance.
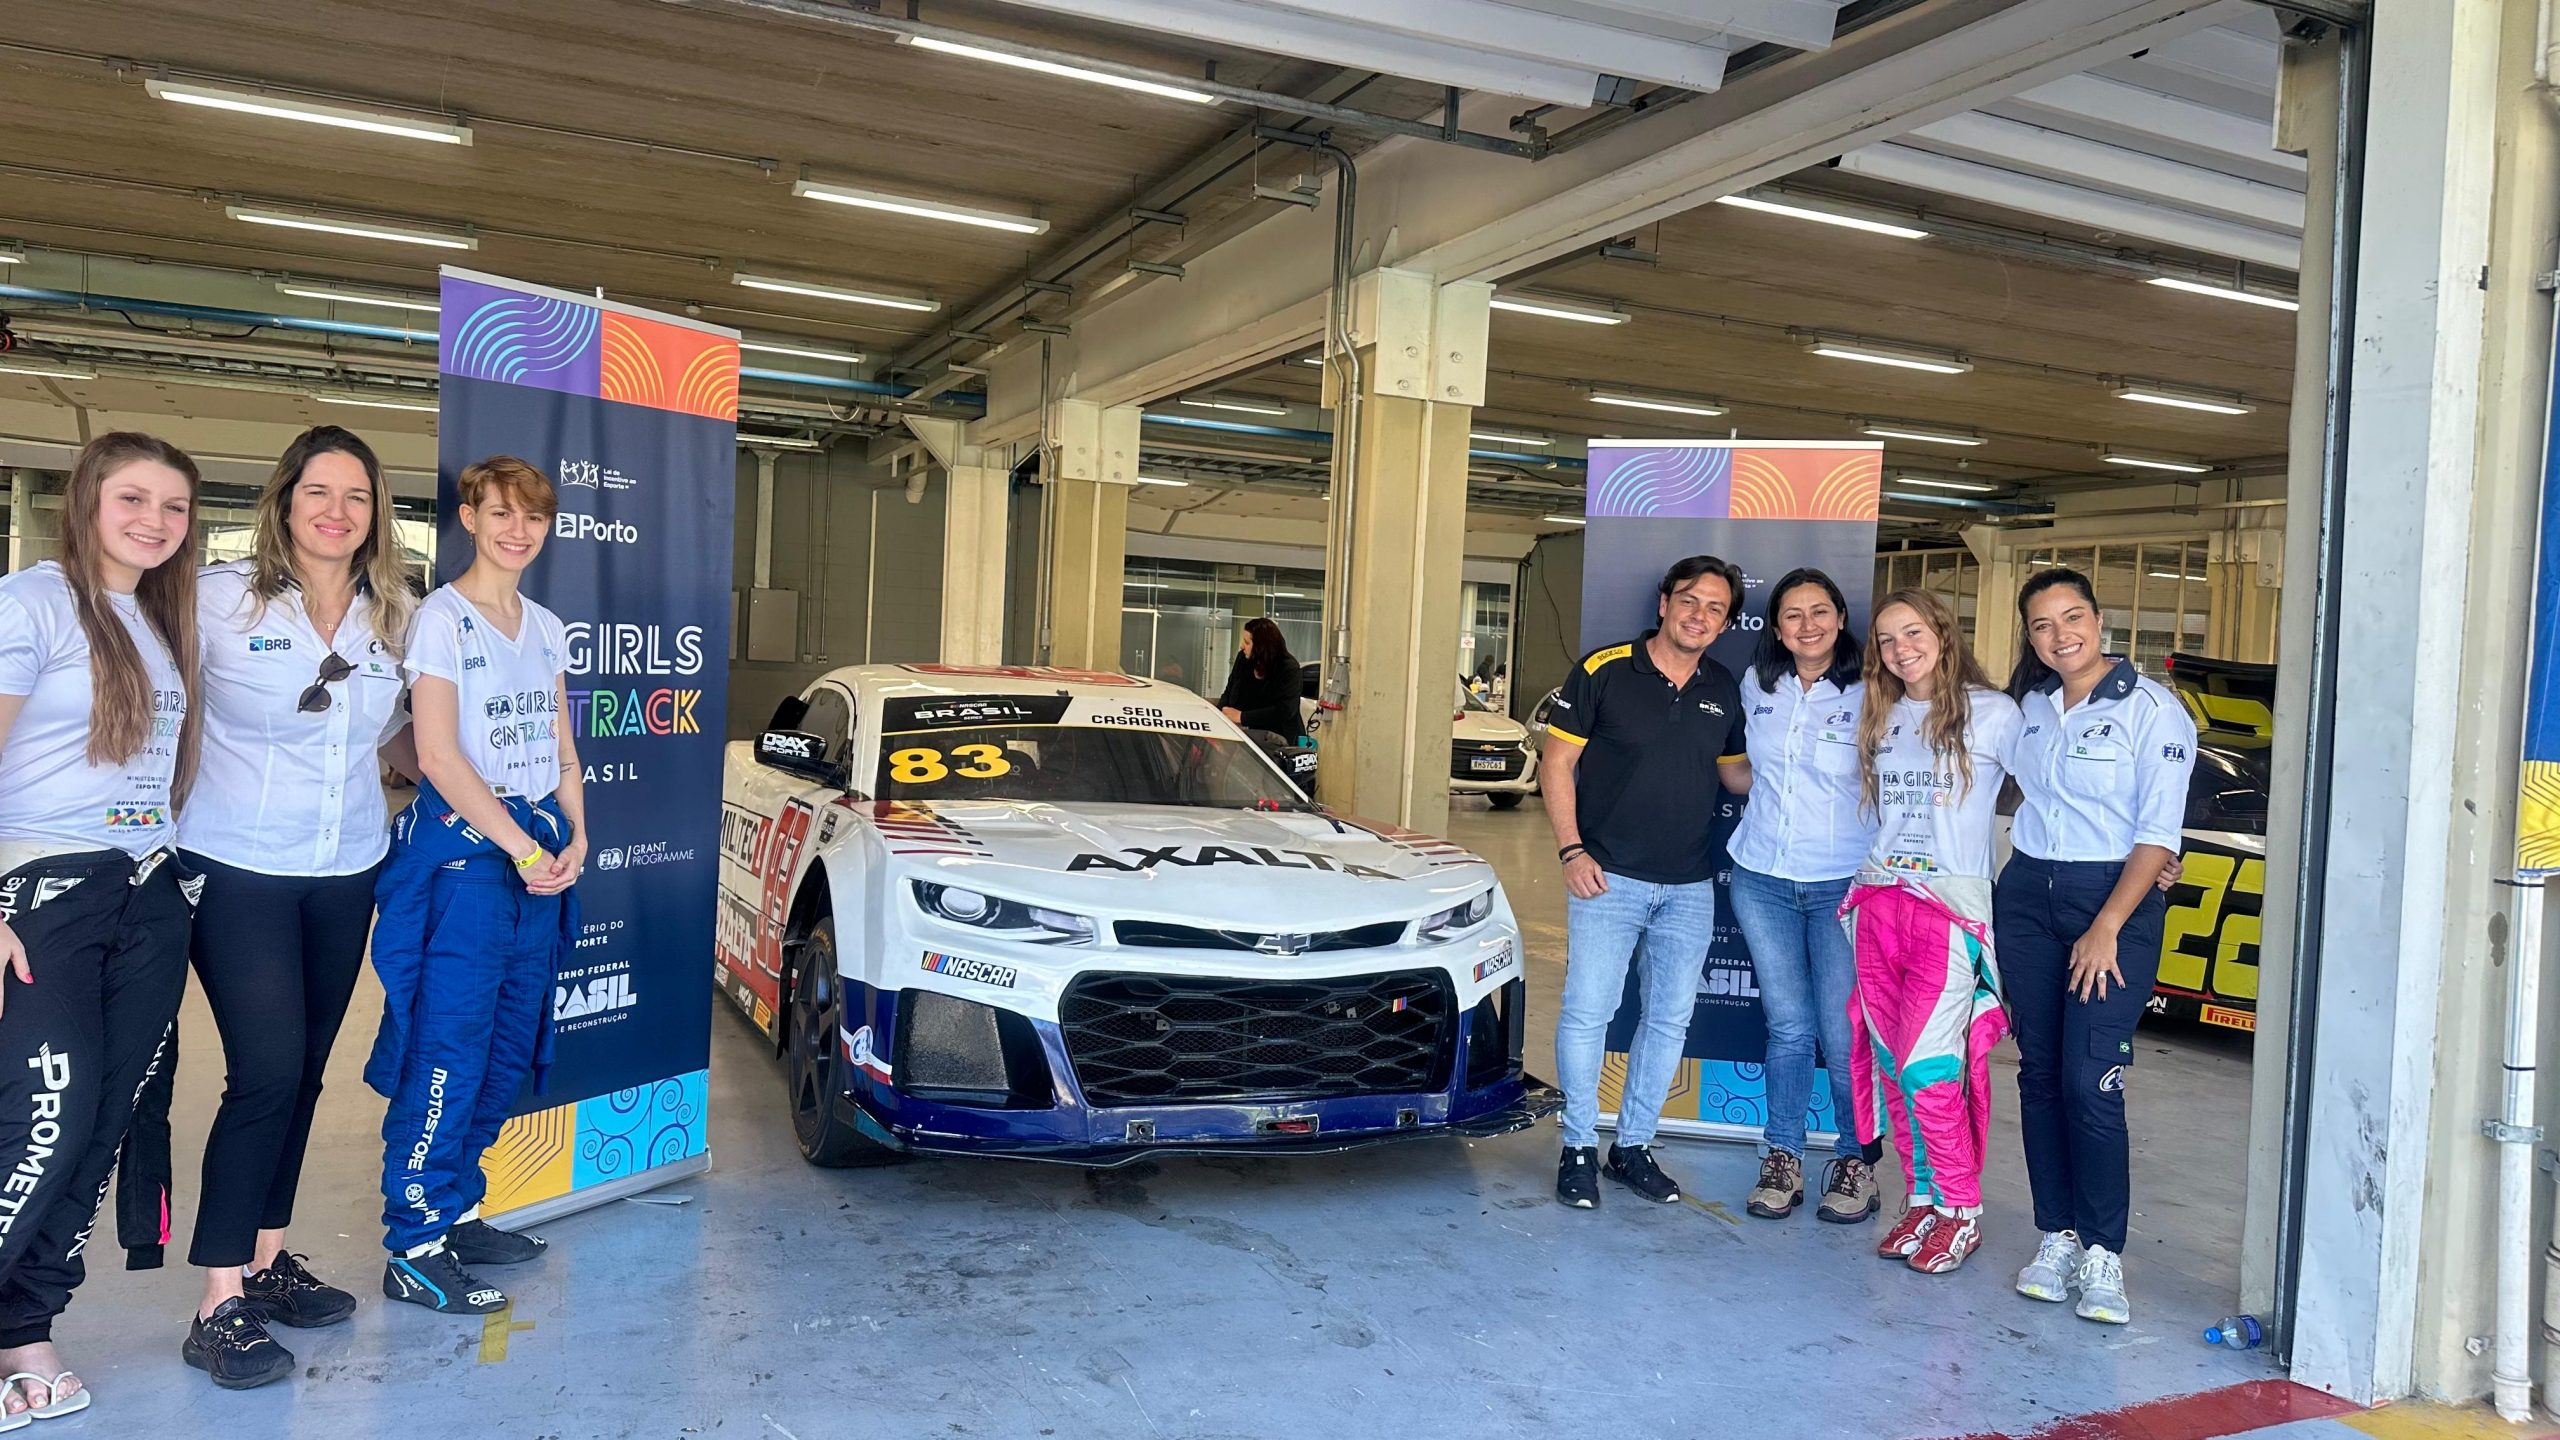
(634, 418)
(1768, 506)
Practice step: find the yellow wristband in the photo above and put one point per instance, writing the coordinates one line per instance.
(528, 862)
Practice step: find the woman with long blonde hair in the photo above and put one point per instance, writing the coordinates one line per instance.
(1935, 738)
(97, 683)
(301, 653)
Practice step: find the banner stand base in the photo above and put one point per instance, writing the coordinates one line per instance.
(1815, 1141)
(594, 1195)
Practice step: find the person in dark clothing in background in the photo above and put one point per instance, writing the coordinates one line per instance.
(1262, 689)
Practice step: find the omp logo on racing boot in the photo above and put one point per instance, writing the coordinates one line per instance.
(53, 1076)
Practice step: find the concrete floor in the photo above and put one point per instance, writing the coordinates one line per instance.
(1417, 1290)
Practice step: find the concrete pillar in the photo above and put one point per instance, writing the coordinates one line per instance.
(973, 565)
(2396, 819)
(1096, 462)
(22, 519)
(2307, 124)
(1391, 614)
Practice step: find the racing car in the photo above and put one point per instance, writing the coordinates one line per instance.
(1080, 916)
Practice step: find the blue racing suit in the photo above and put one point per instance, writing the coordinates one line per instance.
(466, 956)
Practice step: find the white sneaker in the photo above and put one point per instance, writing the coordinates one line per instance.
(2101, 1281)
(2048, 1276)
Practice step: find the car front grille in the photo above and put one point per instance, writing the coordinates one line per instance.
(1172, 1039)
(1153, 935)
(1463, 754)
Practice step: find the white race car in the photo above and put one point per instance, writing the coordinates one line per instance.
(1079, 916)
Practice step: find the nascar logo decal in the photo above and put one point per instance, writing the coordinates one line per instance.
(983, 972)
(1495, 963)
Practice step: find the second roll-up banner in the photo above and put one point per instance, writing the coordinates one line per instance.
(1768, 506)
(633, 415)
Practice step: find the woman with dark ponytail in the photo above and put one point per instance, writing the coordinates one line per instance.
(2102, 767)
(1263, 688)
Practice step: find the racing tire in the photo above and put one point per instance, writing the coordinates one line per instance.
(814, 1065)
(1504, 800)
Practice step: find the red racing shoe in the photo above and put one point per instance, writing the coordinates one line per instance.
(1946, 1244)
(1905, 1236)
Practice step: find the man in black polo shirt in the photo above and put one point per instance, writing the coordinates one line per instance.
(1640, 744)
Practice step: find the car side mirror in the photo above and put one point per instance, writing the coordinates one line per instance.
(797, 752)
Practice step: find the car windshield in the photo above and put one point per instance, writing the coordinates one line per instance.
(1066, 764)
(1469, 700)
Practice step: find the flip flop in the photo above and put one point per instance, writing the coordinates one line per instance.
(26, 1417)
(78, 1402)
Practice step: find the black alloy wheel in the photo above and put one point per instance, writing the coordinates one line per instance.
(817, 1072)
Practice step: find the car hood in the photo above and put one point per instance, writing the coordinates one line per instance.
(1478, 727)
(1244, 868)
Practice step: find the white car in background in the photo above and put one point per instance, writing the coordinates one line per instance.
(1078, 916)
(1490, 754)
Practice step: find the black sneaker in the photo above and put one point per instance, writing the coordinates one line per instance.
(1578, 1178)
(235, 1349)
(1633, 1167)
(480, 1243)
(286, 1294)
(439, 1282)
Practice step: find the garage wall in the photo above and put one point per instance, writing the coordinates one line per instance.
(864, 561)
(1546, 636)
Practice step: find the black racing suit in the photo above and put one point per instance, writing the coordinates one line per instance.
(106, 939)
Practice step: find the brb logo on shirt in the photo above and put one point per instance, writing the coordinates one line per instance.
(267, 644)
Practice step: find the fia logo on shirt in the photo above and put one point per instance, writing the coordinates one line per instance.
(2174, 753)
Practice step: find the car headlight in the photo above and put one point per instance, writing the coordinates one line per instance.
(1457, 920)
(1008, 919)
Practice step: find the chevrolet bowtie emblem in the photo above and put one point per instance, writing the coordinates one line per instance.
(1281, 944)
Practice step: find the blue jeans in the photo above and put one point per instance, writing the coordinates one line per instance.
(1806, 967)
(1665, 929)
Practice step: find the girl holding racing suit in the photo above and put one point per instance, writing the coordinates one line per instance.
(475, 903)
(1800, 842)
(2102, 767)
(1935, 737)
(97, 678)
(301, 658)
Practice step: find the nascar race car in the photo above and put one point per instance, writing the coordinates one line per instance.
(1080, 916)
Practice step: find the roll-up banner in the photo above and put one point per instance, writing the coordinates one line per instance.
(1767, 506)
(2538, 779)
(634, 416)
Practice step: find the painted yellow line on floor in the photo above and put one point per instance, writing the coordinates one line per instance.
(2443, 1422)
(496, 1331)
(1715, 1208)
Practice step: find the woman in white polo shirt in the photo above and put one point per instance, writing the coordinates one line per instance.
(301, 658)
(97, 678)
(1798, 845)
(475, 903)
(2102, 769)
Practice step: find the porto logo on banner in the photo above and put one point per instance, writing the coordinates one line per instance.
(1768, 507)
(634, 417)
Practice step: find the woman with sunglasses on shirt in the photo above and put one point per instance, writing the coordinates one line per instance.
(477, 910)
(301, 648)
(97, 679)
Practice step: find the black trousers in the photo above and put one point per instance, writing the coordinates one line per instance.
(2074, 1055)
(278, 957)
(107, 943)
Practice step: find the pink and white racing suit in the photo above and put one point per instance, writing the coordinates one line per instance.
(1927, 1001)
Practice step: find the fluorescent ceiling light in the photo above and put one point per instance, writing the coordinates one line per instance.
(2154, 462)
(2174, 575)
(1826, 217)
(1315, 360)
(49, 372)
(1656, 402)
(1934, 483)
(1893, 430)
(1899, 356)
(1142, 584)
(372, 403)
(442, 129)
(402, 232)
(861, 198)
(13, 254)
(779, 442)
(2182, 399)
(357, 295)
(1051, 67)
(1284, 594)
(1555, 307)
(882, 298)
(1511, 437)
(1160, 480)
(1563, 520)
(2223, 292)
(801, 351)
(1242, 405)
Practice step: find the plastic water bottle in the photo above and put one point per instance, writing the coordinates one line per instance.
(2239, 1332)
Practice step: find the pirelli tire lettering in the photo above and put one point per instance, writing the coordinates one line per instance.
(2209, 945)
